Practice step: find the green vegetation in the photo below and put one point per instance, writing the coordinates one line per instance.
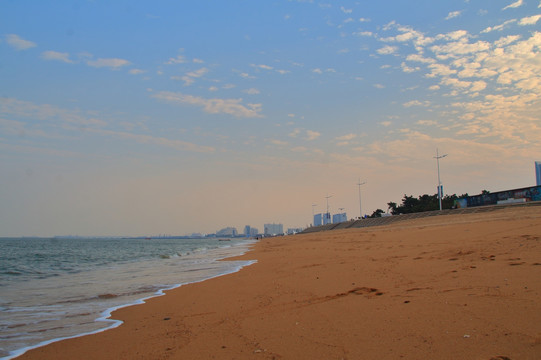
(422, 203)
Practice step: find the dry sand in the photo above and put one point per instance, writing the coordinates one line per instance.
(447, 287)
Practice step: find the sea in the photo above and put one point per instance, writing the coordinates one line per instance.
(57, 288)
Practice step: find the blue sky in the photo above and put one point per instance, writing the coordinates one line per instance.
(133, 117)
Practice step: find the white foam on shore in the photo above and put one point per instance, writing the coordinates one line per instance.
(105, 315)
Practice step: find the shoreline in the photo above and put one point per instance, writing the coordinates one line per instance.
(105, 317)
(466, 286)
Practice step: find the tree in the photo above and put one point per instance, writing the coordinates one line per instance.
(392, 206)
(422, 203)
(377, 213)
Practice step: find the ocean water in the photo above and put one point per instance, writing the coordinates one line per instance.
(54, 288)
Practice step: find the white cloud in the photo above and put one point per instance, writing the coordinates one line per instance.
(197, 73)
(531, 20)
(498, 27)
(20, 128)
(453, 14)
(407, 69)
(363, 33)
(506, 40)
(189, 77)
(137, 71)
(454, 35)
(427, 122)
(346, 11)
(387, 50)
(161, 141)
(407, 34)
(112, 63)
(180, 59)
(346, 137)
(277, 142)
(212, 106)
(251, 91)
(294, 133)
(457, 49)
(317, 71)
(364, 20)
(19, 43)
(58, 56)
(187, 80)
(478, 86)
(456, 83)
(516, 4)
(312, 135)
(46, 112)
(440, 70)
(420, 58)
(416, 103)
(262, 66)
(389, 25)
(246, 76)
(379, 86)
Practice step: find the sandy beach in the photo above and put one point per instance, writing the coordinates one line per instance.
(446, 287)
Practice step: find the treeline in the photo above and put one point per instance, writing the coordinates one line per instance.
(422, 203)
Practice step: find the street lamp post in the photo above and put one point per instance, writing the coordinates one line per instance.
(360, 204)
(327, 215)
(440, 190)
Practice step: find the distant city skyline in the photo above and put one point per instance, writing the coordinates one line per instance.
(177, 117)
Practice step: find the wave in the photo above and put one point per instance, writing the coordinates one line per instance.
(105, 316)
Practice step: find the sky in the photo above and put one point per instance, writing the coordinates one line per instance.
(173, 117)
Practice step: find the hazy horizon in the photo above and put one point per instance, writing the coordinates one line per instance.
(135, 118)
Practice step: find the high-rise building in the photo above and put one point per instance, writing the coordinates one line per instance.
(317, 219)
(338, 218)
(538, 173)
(293, 231)
(250, 231)
(274, 229)
(326, 218)
(228, 231)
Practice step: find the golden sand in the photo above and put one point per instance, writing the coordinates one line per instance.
(447, 287)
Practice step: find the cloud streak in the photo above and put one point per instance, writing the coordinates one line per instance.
(453, 14)
(18, 43)
(111, 63)
(516, 4)
(212, 106)
(56, 56)
(154, 140)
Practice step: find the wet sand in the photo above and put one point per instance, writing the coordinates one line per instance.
(446, 287)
